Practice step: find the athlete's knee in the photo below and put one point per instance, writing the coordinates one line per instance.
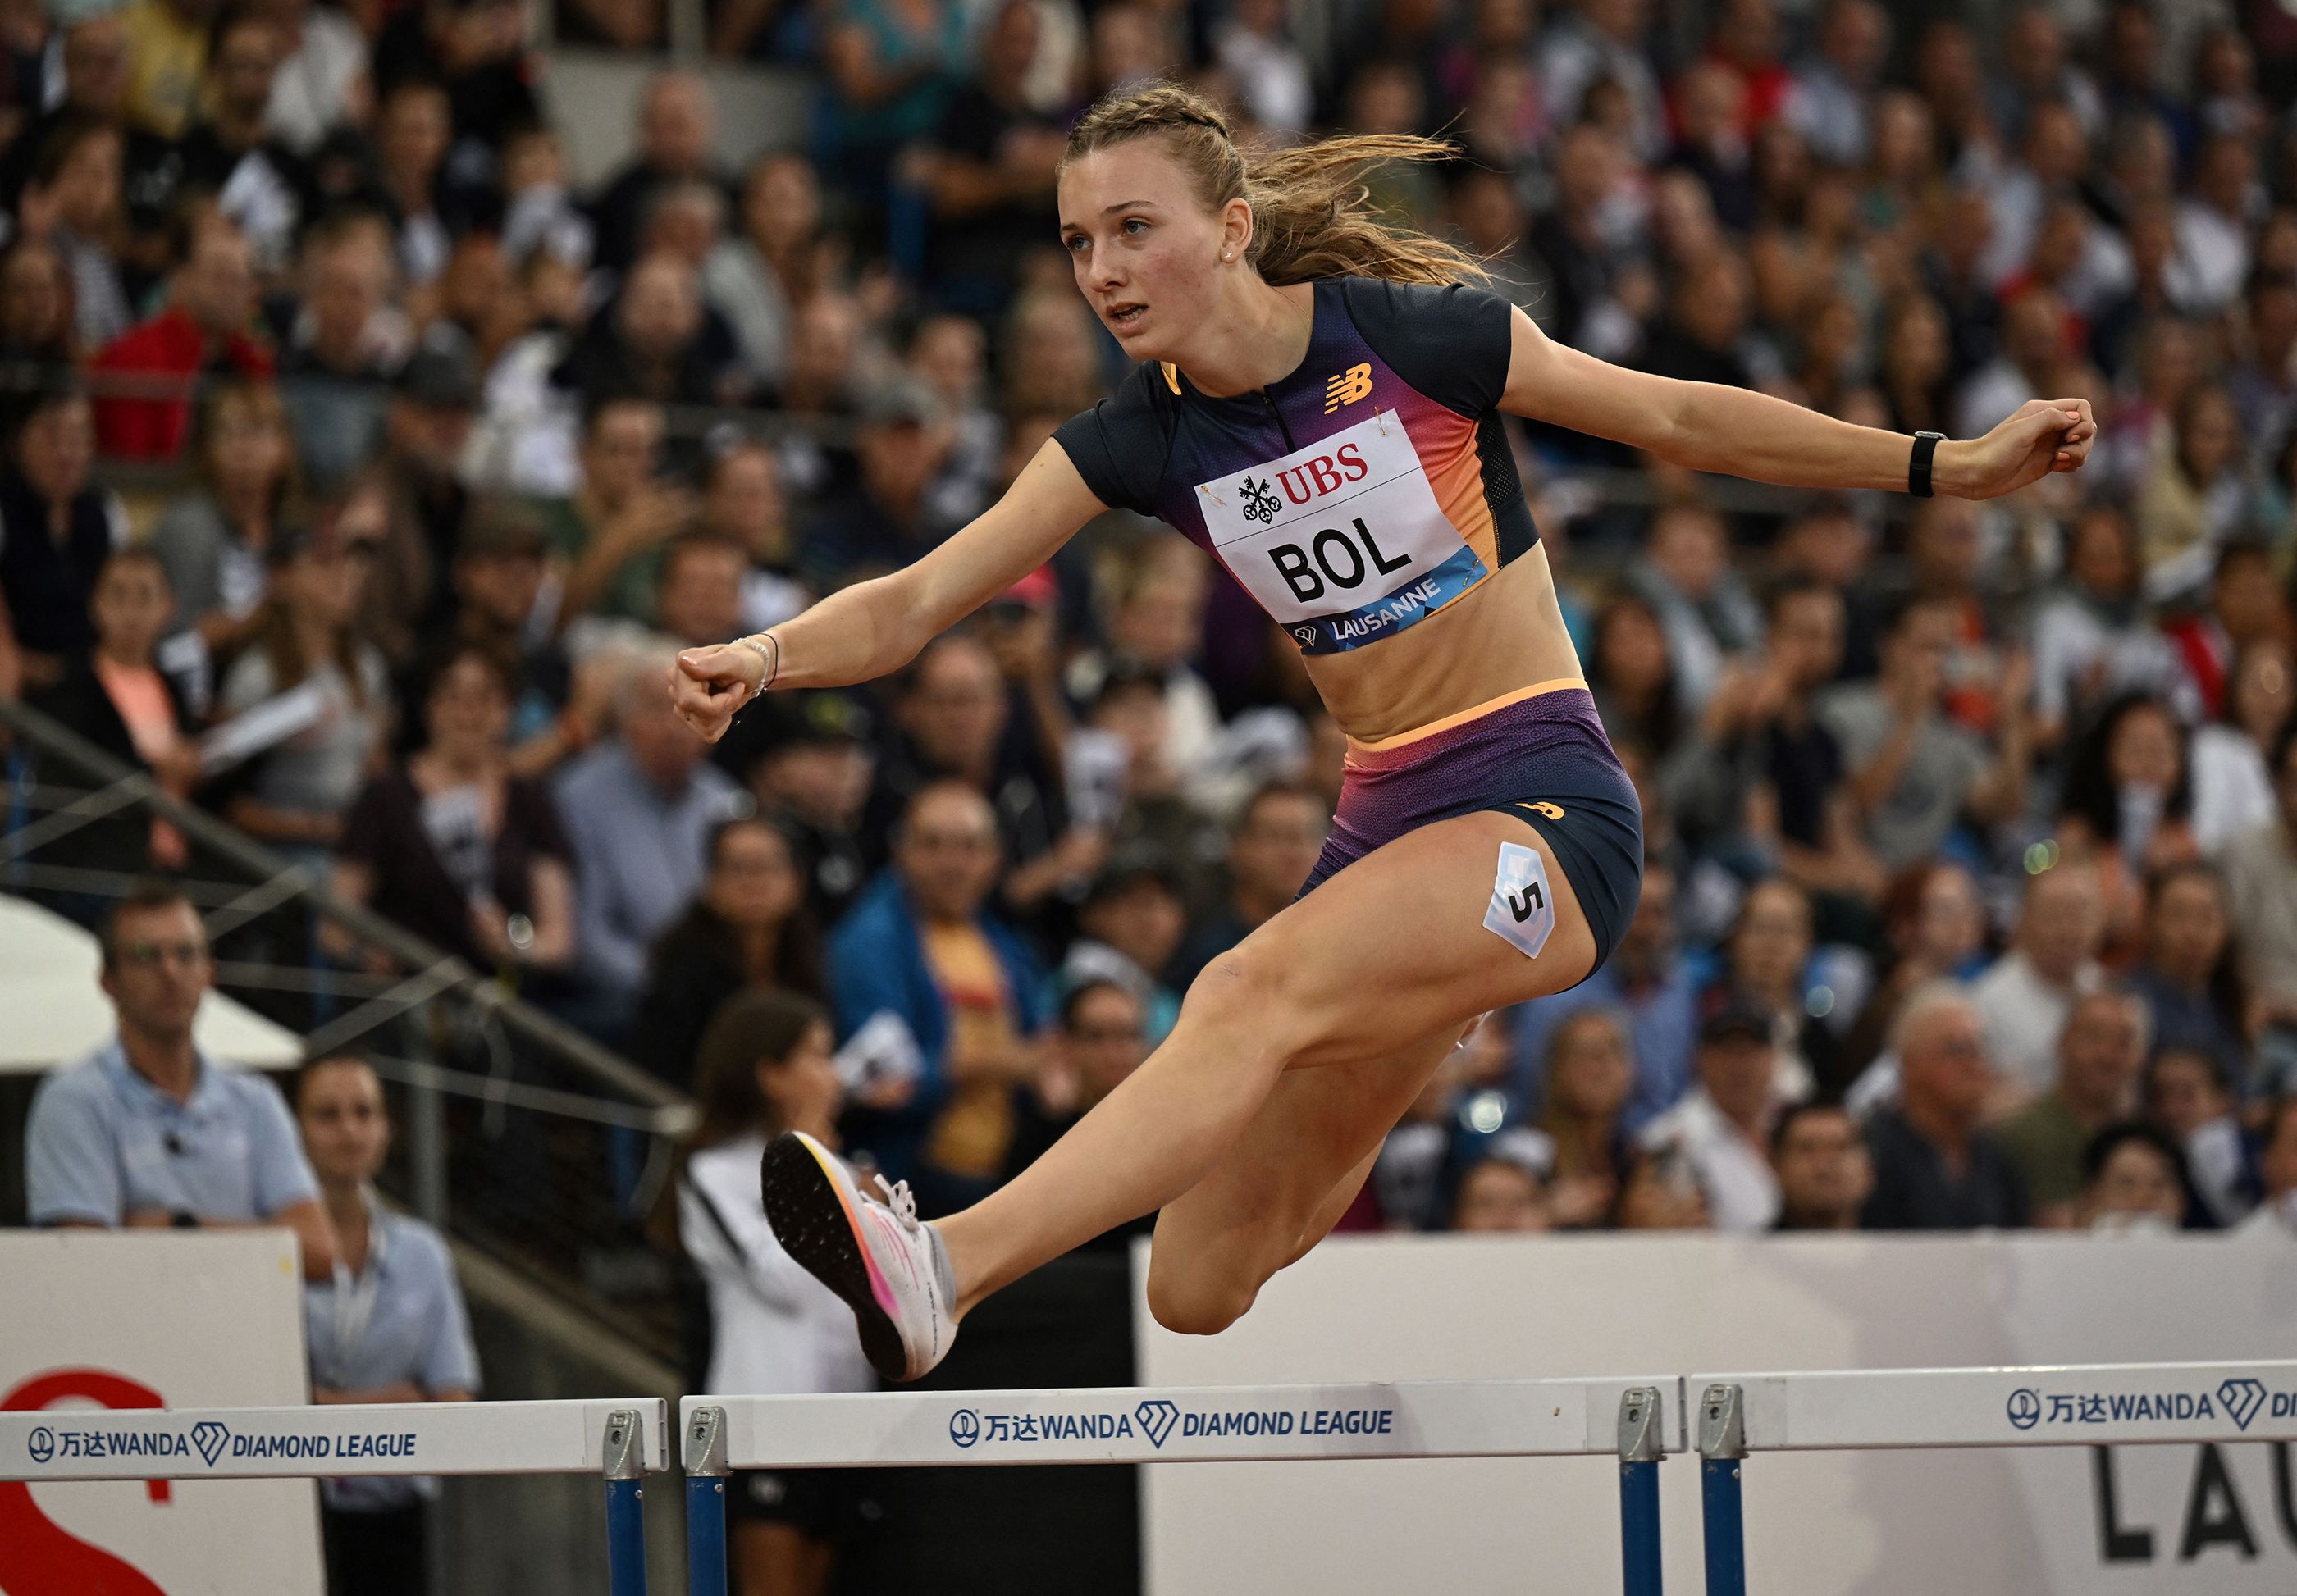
(1256, 989)
(1197, 1301)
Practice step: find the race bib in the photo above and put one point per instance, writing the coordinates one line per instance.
(1341, 541)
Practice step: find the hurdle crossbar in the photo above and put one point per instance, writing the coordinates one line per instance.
(1633, 1421)
(331, 1440)
(2078, 1404)
(619, 1441)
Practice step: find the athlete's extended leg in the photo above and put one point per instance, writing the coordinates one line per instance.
(1366, 970)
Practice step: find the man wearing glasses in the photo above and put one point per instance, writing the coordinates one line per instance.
(144, 1131)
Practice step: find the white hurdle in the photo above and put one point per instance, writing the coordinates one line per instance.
(619, 1440)
(1633, 1421)
(2056, 1405)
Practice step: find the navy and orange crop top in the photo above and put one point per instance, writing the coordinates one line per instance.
(1352, 498)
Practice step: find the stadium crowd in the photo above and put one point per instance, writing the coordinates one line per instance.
(362, 475)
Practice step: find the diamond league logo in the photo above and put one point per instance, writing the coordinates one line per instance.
(209, 1437)
(2025, 1408)
(2241, 1399)
(41, 1443)
(1158, 1417)
(964, 1426)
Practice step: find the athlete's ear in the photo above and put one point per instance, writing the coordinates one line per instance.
(1236, 230)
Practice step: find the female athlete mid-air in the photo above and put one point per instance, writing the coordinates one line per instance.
(1317, 403)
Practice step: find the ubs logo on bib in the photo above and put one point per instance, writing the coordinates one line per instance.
(1342, 541)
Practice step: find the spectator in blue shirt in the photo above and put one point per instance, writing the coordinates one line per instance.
(1646, 980)
(938, 983)
(389, 1326)
(147, 1132)
(640, 810)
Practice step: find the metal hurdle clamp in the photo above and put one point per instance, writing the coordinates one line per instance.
(1632, 1420)
(621, 1441)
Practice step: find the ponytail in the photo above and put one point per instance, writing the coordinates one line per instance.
(1311, 210)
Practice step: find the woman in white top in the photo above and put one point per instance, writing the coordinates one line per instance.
(764, 1067)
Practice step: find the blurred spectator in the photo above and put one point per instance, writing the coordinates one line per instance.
(884, 519)
(144, 379)
(815, 776)
(2276, 1216)
(216, 539)
(1097, 1036)
(758, 277)
(258, 184)
(1721, 1127)
(452, 845)
(167, 52)
(343, 351)
(2128, 806)
(389, 1326)
(699, 589)
(322, 81)
(1595, 288)
(653, 342)
(2133, 1182)
(1271, 74)
(113, 695)
(1913, 772)
(1588, 1076)
(2261, 870)
(1765, 957)
(1832, 93)
(1823, 1170)
(322, 691)
(75, 189)
(501, 607)
(1272, 848)
(1662, 1194)
(1598, 42)
(2233, 790)
(2198, 494)
(1934, 927)
(638, 810)
(424, 430)
(149, 1132)
(2093, 640)
(2099, 1050)
(1703, 605)
(1128, 926)
(1934, 1168)
(2189, 980)
(1645, 979)
(748, 927)
(413, 129)
(90, 56)
(2024, 1001)
(675, 140)
(919, 949)
(955, 722)
(1498, 1195)
(742, 502)
(56, 529)
(988, 172)
(620, 514)
(764, 1068)
(2191, 1103)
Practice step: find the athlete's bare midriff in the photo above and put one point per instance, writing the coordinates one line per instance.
(1507, 633)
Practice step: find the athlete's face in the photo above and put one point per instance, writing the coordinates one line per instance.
(1146, 252)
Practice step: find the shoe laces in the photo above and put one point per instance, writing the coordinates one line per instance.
(901, 1200)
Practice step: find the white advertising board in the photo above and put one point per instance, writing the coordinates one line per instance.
(2209, 1520)
(93, 1319)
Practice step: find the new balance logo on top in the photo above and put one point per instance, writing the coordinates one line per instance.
(1348, 387)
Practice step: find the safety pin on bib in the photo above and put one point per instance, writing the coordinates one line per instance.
(1381, 417)
(1206, 490)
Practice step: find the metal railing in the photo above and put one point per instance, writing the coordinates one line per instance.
(519, 1134)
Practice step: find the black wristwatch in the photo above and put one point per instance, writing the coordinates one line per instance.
(1918, 468)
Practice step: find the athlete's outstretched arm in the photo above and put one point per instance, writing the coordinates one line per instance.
(865, 631)
(1709, 426)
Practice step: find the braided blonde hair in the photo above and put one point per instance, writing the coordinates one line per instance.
(1311, 210)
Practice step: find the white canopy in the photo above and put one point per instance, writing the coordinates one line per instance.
(51, 1011)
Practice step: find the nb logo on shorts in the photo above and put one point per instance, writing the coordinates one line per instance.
(1554, 812)
(1348, 387)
